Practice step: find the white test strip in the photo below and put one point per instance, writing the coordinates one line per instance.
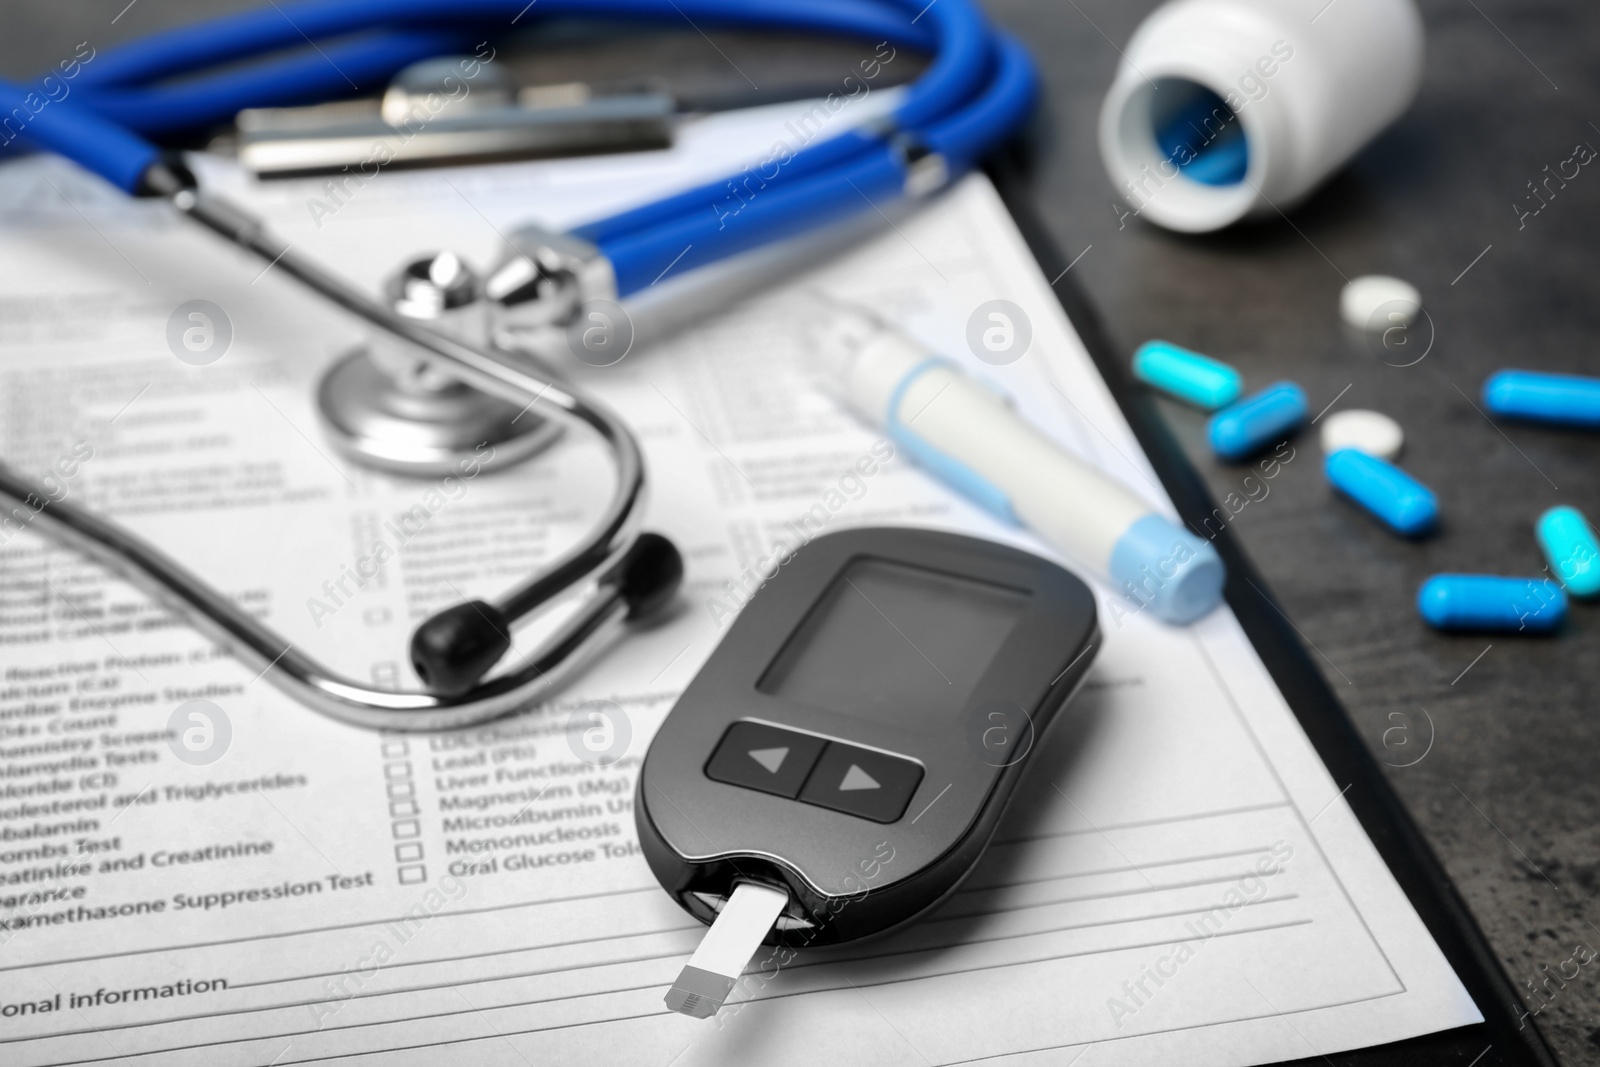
(709, 976)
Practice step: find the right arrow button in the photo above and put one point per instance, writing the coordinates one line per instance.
(861, 782)
(856, 778)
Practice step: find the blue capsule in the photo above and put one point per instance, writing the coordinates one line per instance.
(1200, 380)
(1564, 399)
(1491, 603)
(1245, 428)
(1406, 505)
(1570, 547)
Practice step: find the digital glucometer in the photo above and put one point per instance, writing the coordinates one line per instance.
(842, 759)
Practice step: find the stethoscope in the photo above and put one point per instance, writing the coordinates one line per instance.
(975, 92)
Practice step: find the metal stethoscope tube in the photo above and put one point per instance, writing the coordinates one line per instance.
(603, 557)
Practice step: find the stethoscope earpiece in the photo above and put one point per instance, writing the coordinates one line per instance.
(453, 649)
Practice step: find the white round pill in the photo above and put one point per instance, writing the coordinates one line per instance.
(1373, 302)
(1366, 431)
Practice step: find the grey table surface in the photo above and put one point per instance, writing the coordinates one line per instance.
(1507, 792)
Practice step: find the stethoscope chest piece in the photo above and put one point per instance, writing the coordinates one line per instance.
(385, 405)
(423, 429)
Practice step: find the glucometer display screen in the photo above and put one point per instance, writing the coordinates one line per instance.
(896, 644)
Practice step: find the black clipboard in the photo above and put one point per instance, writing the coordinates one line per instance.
(1504, 1038)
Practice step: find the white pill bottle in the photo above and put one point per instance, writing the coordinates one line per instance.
(1231, 109)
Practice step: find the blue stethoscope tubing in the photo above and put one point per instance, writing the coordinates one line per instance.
(976, 92)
